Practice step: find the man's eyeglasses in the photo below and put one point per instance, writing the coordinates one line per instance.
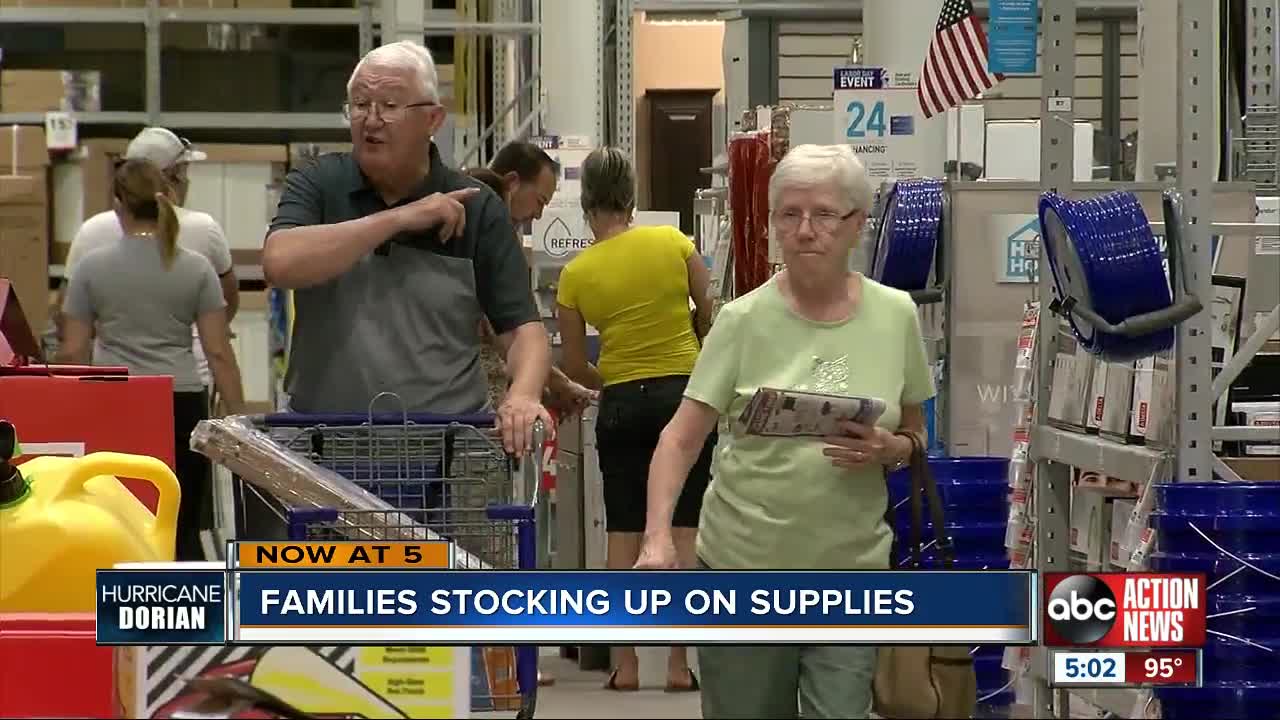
(389, 112)
(825, 221)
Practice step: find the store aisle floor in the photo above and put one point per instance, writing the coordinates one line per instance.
(579, 694)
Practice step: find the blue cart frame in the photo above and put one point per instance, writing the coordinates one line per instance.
(446, 473)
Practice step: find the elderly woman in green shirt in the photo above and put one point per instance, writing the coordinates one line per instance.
(797, 504)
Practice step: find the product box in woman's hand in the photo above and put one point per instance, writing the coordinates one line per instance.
(793, 413)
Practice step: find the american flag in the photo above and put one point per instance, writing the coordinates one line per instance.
(956, 68)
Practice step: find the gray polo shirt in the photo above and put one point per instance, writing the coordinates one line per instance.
(406, 318)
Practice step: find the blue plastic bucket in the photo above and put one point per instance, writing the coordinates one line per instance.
(960, 470)
(1240, 533)
(1227, 700)
(1249, 615)
(968, 540)
(961, 496)
(1201, 498)
(1001, 699)
(988, 671)
(1218, 566)
(988, 561)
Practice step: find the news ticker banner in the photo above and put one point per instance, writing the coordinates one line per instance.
(406, 594)
(1137, 669)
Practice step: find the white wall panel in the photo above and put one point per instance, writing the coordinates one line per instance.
(807, 52)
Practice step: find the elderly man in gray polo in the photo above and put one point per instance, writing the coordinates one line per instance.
(394, 258)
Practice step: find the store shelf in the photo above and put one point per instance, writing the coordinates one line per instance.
(68, 15)
(1090, 452)
(1263, 433)
(252, 121)
(83, 118)
(293, 16)
(198, 120)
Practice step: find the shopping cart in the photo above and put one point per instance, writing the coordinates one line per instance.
(449, 474)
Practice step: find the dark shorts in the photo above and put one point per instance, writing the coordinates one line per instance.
(632, 416)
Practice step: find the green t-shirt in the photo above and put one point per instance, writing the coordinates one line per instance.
(779, 503)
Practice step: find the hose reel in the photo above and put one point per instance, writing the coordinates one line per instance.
(1108, 274)
(910, 218)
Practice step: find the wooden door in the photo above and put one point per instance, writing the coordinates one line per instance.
(679, 148)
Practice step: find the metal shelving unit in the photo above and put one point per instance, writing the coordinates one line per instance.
(1056, 451)
(153, 18)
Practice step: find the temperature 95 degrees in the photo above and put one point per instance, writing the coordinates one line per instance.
(1162, 668)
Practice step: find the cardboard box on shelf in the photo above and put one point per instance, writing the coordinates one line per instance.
(24, 241)
(1260, 414)
(302, 153)
(1072, 381)
(1118, 402)
(21, 147)
(82, 189)
(1091, 526)
(24, 219)
(1121, 509)
(38, 91)
(1255, 469)
(1095, 408)
(238, 186)
(1152, 400)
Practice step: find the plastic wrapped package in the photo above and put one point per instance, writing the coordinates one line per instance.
(301, 484)
(780, 132)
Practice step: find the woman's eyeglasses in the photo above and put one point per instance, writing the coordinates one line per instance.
(823, 221)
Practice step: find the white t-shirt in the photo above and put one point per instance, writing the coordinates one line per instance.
(197, 232)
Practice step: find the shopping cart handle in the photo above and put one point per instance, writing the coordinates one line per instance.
(305, 420)
(518, 513)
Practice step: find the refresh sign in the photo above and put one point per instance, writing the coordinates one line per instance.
(559, 235)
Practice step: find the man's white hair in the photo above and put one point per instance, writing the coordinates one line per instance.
(810, 165)
(402, 55)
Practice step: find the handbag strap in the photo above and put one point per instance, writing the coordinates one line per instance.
(925, 487)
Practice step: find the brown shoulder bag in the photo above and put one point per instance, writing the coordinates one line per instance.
(921, 681)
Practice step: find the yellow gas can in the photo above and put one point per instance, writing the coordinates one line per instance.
(61, 519)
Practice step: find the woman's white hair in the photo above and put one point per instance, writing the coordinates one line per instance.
(810, 165)
(403, 55)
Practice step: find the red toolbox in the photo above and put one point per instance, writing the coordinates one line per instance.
(73, 409)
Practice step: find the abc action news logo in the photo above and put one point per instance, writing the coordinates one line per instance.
(1124, 610)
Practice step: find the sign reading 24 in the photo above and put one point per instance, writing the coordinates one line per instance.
(862, 122)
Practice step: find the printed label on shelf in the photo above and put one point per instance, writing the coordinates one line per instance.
(60, 132)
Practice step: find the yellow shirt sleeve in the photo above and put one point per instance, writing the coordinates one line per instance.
(567, 290)
(684, 244)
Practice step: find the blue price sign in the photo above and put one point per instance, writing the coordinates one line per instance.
(1011, 36)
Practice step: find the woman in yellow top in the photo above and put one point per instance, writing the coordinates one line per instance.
(634, 285)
